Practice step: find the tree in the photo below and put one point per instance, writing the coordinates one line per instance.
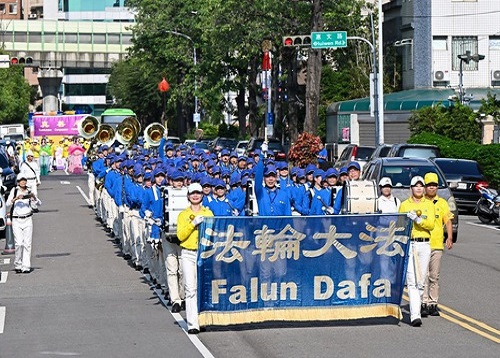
(15, 94)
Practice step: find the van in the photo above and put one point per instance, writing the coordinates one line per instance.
(407, 150)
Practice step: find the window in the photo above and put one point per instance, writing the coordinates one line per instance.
(494, 42)
(100, 39)
(459, 46)
(440, 43)
(114, 39)
(2, 8)
(12, 9)
(85, 38)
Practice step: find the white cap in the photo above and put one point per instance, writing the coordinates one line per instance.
(194, 187)
(385, 181)
(417, 179)
(28, 153)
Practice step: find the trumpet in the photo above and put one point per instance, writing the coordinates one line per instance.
(88, 127)
(153, 134)
(105, 135)
(128, 130)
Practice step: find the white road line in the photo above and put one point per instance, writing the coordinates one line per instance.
(83, 194)
(6, 261)
(483, 225)
(180, 321)
(2, 319)
(4, 276)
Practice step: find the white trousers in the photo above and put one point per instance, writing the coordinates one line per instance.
(188, 259)
(418, 264)
(23, 236)
(137, 227)
(91, 184)
(175, 281)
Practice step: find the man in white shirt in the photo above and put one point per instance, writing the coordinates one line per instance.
(387, 203)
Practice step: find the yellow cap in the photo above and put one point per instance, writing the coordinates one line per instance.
(431, 178)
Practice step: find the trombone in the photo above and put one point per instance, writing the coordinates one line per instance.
(153, 134)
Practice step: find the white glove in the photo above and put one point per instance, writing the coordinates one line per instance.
(148, 214)
(235, 212)
(412, 215)
(150, 221)
(157, 222)
(264, 147)
(329, 210)
(418, 220)
(121, 209)
(197, 220)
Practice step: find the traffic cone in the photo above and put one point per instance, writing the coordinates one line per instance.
(10, 247)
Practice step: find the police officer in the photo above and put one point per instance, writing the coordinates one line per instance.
(421, 211)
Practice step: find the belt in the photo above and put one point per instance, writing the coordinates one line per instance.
(21, 217)
(31, 178)
(420, 239)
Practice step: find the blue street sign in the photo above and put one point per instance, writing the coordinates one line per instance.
(270, 118)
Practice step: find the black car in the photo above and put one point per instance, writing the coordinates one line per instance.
(408, 150)
(273, 144)
(220, 143)
(463, 176)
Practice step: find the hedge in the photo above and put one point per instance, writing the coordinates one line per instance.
(487, 155)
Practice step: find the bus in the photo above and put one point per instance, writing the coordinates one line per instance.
(114, 116)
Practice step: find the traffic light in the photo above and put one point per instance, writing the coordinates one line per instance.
(297, 41)
(26, 61)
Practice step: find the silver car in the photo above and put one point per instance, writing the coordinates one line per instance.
(241, 147)
(401, 170)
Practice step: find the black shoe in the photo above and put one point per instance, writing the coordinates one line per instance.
(127, 257)
(19, 270)
(433, 310)
(424, 310)
(138, 267)
(176, 308)
(193, 331)
(416, 322)
(183, 305)
(28, 271)
(146, 271)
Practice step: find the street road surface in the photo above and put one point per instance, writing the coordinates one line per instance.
(83, 299)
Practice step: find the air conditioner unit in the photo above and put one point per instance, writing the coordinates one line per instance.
(495, 76)
(441, 76)
(32, 16)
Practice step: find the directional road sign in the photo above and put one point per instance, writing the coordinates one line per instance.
(329, 39)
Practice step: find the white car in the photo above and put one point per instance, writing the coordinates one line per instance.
(241, 147)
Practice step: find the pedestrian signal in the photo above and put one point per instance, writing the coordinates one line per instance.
(14, 61)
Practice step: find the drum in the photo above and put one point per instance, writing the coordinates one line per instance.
(360, 197)
(175, 200)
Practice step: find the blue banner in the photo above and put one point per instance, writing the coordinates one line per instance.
(256, 269)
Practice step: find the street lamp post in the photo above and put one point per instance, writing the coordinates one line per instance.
(196, 118)
(466, 57)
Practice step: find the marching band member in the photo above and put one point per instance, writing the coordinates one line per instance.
(421, 211)
(354, 173)
(317, 198)
(221, 206)
(188, 222)
(387, 203)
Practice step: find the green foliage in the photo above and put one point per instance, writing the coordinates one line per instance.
(228, 131)
(458, 122)
(491, 106)
(15, 94)
(488, 156)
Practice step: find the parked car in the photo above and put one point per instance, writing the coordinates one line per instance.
(380, 151)
(241, 147)
(201, 145)
(176, 141)
(354, 152)
(463, 177)
(273, 144)
(401, 170)
(220, 143)
(408, 150)
(8, 175)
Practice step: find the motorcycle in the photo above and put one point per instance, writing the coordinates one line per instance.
(488, 206)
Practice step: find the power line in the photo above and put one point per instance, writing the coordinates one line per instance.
(451, 15)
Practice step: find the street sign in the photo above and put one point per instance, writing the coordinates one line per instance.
(196, 117)
(4, 61)
(329, 39)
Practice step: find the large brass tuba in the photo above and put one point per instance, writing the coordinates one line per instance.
(128, 130)
(88, 127)
(153, 134)
(105, 135)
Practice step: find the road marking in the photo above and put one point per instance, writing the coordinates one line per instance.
(6, 261)
(483, 225)
(66, 354)
(180, 321)
(2, 319)
(467, 322)
(3, 276)
(83, 194)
